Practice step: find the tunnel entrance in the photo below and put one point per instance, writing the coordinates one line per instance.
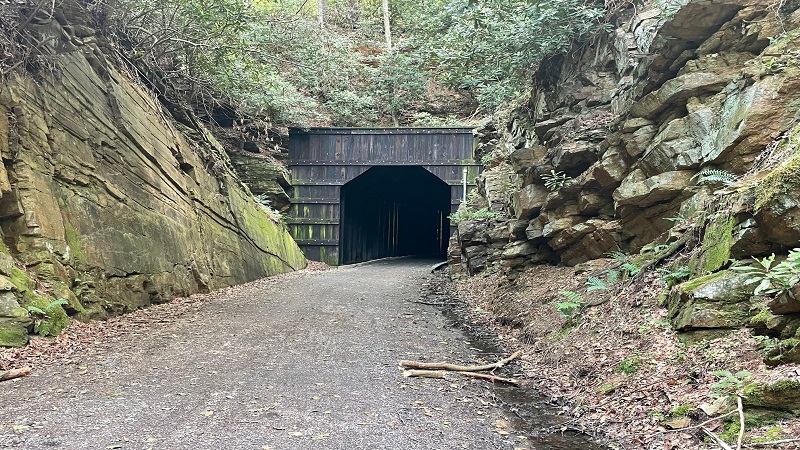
(394, 211)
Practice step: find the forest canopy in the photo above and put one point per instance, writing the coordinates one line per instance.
(327, 62)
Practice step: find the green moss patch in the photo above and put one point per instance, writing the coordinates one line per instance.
(13, 336)
(74, 242)
(53, 320)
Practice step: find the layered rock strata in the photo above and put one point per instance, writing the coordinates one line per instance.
(108, 204)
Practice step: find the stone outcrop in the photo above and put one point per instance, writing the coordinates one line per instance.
(108, 204)
(680, 121)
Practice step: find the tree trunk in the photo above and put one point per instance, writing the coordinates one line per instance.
(387, 27)
(322, 11)
(355, 14)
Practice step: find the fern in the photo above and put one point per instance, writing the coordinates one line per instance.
(56, 302)
(612, 276)
(631, 268)
(628, 268)
(711, 176)
(571, 306)
(618, 256)
(596, 284)
(35, 310)
(556, 180)
(43, 312)
(573, 297)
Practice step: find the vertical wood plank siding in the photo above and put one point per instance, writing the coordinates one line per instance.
(322, 160)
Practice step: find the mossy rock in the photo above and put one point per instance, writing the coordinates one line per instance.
(22, 280)
(784, 351)
(12, 334)
(754, 417)
(73, 306)
(781, 396)
(715, 250)
(777, 205)
(14, 321)
(718, 300)
(55, 319)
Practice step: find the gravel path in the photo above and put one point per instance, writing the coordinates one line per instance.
(305, 361)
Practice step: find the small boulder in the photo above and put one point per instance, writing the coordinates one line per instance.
(528, 201)
(786, 303)
(14, 321)
(719, 300)
(641, 191)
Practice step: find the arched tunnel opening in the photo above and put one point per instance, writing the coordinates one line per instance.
(393, 211)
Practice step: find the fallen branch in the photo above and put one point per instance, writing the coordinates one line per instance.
(458, 368)
(717, 439)
(425, 373)
(422, 302)
(14, 373)
(764, 444)
(492, 378)
(740, 410)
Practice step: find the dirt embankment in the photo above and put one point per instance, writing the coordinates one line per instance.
(621, 373)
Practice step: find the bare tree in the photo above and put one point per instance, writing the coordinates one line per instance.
(387, 27)
(322, 11)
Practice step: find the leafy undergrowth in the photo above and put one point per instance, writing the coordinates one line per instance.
(617, 369)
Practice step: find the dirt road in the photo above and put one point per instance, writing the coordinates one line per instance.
(305, 361)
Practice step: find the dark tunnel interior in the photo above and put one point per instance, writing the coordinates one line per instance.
(394, 211)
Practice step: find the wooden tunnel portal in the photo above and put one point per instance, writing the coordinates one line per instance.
(364, 193)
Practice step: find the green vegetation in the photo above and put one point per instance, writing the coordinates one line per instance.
(466, 213)
(491, 47)
(570, 307)
(556, 180)
(49, 318)
(293, 62)
(729, 383)
(770, 278)
(682, 410)
(627, 267)
(713, 176)
(629, 365)
(674, 275)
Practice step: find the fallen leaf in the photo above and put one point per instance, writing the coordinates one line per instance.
(678, 422)
(500, 423)
(296, 433)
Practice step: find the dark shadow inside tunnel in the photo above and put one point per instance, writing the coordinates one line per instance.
(394, 211)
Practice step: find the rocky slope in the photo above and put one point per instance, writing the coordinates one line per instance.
(671, 140)
(108, 203)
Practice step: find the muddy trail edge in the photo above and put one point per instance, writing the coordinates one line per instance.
(308, 361)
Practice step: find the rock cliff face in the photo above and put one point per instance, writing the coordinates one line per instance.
(108, 204)
(671, 138)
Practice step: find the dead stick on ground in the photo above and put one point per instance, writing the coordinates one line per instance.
(458, 368)
(740, 409)
(14, 373)
(492, 378)
(716, 439)
(764, 444)
(425, 373)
